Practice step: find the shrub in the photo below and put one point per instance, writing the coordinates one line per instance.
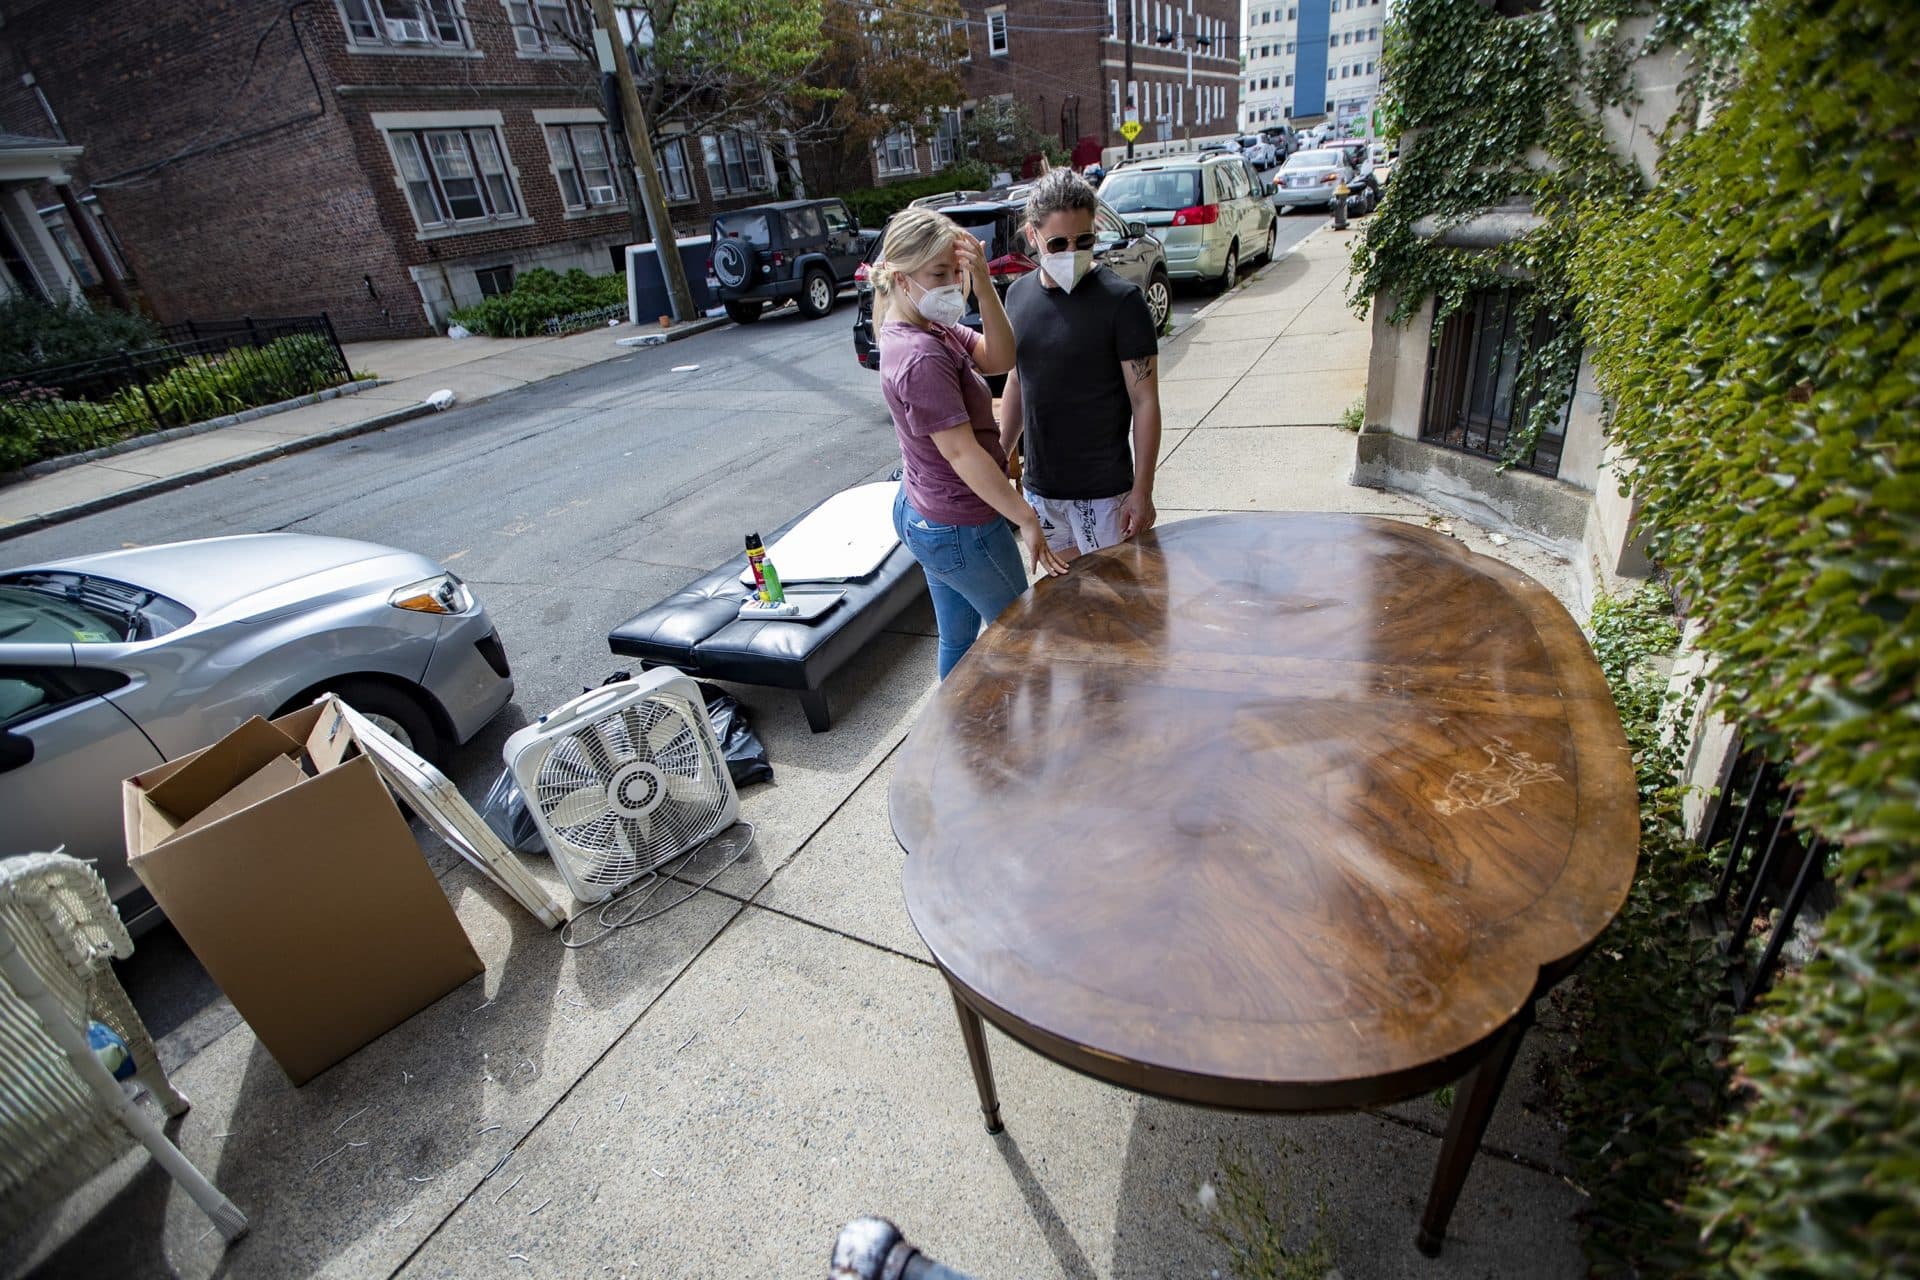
(34, 333)
(36, 422)
(538, 296)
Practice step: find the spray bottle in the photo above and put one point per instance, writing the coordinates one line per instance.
(766, 578)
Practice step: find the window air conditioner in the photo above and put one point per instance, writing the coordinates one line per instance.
(600, 195)
(406, 31)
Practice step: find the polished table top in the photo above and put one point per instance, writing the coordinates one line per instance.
(1269, 811)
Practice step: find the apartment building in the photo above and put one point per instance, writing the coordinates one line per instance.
(1311, 60)
(1066, 60)
(384, 161)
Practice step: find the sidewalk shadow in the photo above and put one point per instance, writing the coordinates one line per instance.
(1067, 1253)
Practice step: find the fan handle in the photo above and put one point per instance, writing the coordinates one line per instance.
(584, 707)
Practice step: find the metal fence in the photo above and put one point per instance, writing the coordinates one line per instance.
(1781, 866)
(205, 369)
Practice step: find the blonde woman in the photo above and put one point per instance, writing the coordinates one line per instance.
(957, 513)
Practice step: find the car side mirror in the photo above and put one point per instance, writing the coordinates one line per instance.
(1137, 230)
(16, 749)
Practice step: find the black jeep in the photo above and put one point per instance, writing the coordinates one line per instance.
(807, 250)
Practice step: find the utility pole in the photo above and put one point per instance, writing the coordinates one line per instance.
(1130, 99)
(646, 170)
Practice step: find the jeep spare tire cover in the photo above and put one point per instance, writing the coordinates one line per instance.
(732, 263)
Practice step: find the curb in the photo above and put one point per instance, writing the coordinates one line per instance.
(167, 484)
(687, 330)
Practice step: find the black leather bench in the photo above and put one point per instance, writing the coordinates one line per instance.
(698, 630)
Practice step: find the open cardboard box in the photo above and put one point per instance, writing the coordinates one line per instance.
(282, 860)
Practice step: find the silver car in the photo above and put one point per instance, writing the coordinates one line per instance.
(1310, 179)
(111, 664)
(1209, 211)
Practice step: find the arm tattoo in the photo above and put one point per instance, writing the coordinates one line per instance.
(1142, 369)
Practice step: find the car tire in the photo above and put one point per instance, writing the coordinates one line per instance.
(745, 312)
(401, 714)
(1159, 298)
(816, 294)
(1231, 273)
(1273, 240)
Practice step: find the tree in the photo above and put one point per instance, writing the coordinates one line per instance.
(705, 66)
(894, 68)
(1001, 133)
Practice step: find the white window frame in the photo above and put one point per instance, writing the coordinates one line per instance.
(681, 191)
(723, 151)
(896, 153)
(376, 36)
(1114, 87)
(414, 126)
(590, 120)
(998, 12)
(534, 35)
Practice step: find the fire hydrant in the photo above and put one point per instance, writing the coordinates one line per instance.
(1340, 194)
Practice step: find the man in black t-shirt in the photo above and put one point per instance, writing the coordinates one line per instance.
(1086, 371)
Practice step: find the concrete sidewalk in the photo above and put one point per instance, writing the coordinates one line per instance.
(409, 370)
(715, 1092)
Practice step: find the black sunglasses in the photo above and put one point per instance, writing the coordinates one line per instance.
(1060, 244)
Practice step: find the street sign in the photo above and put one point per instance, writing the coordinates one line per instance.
(1130, 130)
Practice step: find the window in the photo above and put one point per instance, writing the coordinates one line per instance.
(735, 164)
(494, 281)
(583, 164)
(837, 218)
(1369, 68)
(804, 224)
(454, 176)
(1333, 73)
(548, 26)
(1113, 87)
(1113, 19)
(405, 24)
(1473, 363)
(896, 153)
(675, 174)
(1290, 13)
(946, 139)
(1289, 48)
(997, 32)
(1289, 83)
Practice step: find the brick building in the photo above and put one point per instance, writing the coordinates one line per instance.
(381, 160)
(1065, 61)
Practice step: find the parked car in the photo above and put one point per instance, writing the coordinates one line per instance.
(115, 663)
(1127, 248)
(1310, 179)
(806, 250)
(1382, 157)
(1210, 211)
(1258, 152)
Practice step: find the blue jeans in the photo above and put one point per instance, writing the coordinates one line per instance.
(973, 572)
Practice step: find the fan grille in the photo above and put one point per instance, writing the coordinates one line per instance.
(631, 790)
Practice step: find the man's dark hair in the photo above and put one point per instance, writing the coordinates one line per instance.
(1059, 191)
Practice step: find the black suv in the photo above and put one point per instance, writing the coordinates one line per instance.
(807, 250)
(1124, 246)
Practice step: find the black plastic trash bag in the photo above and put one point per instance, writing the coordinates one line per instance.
(505, 811)
(746, 754)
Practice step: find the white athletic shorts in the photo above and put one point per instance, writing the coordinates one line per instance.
(1086, 523)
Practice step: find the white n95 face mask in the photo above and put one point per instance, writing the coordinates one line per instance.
(1067, 269)
(944, 305)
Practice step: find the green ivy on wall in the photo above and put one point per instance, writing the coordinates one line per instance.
(1752, 325)
(1750, 320)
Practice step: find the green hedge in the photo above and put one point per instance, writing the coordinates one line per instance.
(874, 205)
(538, 296)
(35, 333)
(35, 423)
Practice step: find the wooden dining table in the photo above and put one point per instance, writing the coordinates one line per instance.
(1272, 813)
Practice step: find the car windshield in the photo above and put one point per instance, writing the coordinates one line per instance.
(750, 227)
(46, 616)
(1140, 191)
(1312, 159)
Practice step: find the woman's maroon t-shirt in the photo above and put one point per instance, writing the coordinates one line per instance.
(930, 385)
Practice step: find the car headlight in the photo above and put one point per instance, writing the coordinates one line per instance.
(444, 593)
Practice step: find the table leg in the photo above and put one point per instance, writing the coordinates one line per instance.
(1466, 1125)
(974, 1032)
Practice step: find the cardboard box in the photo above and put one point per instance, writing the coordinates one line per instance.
(295, 880)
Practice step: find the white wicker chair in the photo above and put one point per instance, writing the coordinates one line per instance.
(63, 1117)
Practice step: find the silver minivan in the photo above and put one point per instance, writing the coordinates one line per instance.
(1211, 212)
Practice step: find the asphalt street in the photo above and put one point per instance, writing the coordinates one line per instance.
(568, 505)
